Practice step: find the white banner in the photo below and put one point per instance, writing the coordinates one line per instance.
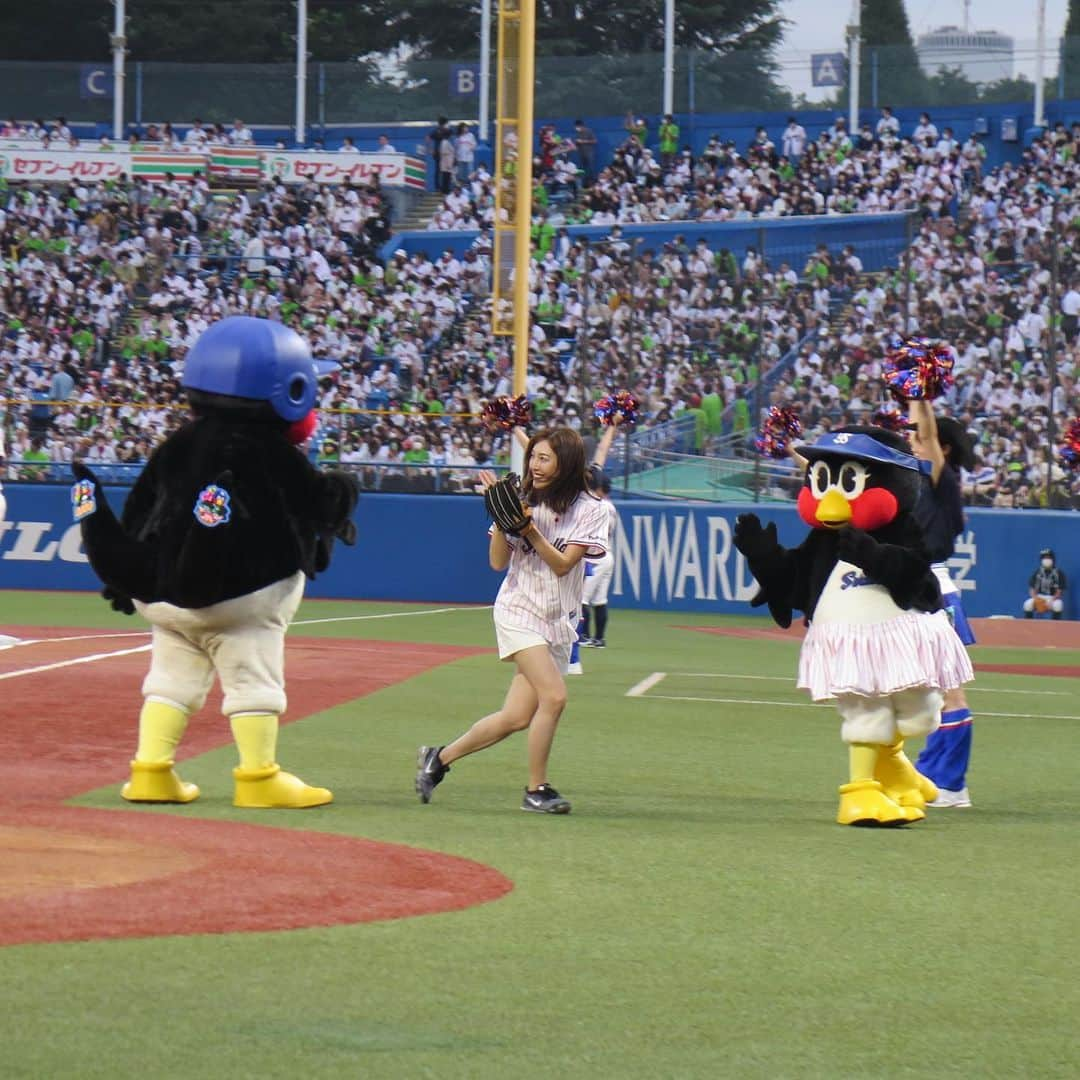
(394, 170)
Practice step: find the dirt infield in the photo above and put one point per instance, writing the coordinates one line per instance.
(73, 873)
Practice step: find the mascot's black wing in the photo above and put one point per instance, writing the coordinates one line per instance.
(895, 557)
(126, 566)
(339, 492)
(781, 573)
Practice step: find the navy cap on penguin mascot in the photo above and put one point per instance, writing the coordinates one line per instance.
(254, 360)
(860, 476)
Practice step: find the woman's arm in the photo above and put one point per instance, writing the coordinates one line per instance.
(921, 414)
(498, 551)
(603, 447)
(498, 546)
(562, 562)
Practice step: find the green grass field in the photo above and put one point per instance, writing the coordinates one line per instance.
(697, 915)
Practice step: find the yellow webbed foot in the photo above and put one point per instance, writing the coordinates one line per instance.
(863, 802)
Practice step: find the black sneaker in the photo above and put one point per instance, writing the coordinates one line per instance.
(545, 800)
(598, 643)
(586, 642)
(429, 771)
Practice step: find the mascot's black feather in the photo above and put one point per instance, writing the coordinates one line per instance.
(893, 554)
(286, 515)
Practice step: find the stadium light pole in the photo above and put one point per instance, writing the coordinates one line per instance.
(301, 71)
(1040, 49)
(118, 41)
(485, 70)
(854, 38)
(511, 250)
(669, 56)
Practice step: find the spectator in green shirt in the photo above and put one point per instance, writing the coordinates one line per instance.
(712, 406)
(669, 140)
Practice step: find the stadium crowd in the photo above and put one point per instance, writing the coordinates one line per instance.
(105, 285)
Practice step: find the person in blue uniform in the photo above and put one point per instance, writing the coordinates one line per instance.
(943, 442)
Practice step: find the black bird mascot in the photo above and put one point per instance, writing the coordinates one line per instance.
(217, 537)
(878, 643)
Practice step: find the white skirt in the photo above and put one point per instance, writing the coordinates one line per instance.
(512, 639)
(914, 649)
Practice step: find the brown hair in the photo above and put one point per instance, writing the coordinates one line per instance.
(569, 481)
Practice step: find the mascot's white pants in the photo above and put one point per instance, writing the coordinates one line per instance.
(880, 719)
(242, 640)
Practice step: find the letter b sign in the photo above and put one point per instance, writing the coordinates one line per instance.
(464, 80)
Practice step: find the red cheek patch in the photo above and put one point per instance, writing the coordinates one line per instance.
(872, 509)
(807, 506)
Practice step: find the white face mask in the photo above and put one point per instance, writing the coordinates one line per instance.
(1047, 563)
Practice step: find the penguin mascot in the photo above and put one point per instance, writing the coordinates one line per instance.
(878, 643)
(216, 539)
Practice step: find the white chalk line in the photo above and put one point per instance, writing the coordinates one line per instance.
(90, 659)
(787, 678)
(646, 684)
(826, 705)
(94, 657)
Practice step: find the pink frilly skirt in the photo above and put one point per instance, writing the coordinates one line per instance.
(914, 649)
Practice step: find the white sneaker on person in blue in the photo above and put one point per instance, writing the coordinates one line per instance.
(957, 800)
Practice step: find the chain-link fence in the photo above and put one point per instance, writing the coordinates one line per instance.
(943, 69)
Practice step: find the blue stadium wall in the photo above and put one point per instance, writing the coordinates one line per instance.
(879, 239)
(677, 556)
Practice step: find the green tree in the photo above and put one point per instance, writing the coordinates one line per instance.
(451, 28)
(1070, 51)
(240, 31)
(900, 79)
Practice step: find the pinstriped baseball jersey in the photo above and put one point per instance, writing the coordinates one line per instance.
(532, 596)
(611, 517)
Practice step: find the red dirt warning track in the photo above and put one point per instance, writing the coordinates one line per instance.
(74, 873)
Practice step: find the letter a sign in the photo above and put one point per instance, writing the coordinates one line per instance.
(827, 69)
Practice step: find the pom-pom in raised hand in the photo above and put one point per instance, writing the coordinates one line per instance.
(780, 427)
(917, 369)
(891, 420)
(620, 407)
(1070, 450)
(506, 413)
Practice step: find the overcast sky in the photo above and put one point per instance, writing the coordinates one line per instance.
(818, 26)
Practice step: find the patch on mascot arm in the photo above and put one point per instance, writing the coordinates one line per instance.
(212, 507)
(83, 499)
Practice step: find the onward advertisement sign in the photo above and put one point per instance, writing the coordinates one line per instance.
(668, 555)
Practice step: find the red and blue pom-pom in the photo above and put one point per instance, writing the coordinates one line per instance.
(506, 413)
(891, 420)
(1070, 451)
(916, 369)
(622, 404)
(780, 427)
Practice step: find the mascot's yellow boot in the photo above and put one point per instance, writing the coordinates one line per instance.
(153, 780)
(863, 801)
(260, 782)
(902, 782)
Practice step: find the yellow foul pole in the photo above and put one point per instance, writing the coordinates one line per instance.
(516, 68)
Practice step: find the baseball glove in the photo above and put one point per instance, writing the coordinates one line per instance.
(504, 506)
(1042, 604)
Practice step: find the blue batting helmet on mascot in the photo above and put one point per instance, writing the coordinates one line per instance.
(214, 545)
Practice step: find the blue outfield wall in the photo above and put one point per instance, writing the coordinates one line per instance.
(671, 555)
(878, 239)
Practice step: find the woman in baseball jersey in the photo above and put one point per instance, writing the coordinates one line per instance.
(536, 612)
